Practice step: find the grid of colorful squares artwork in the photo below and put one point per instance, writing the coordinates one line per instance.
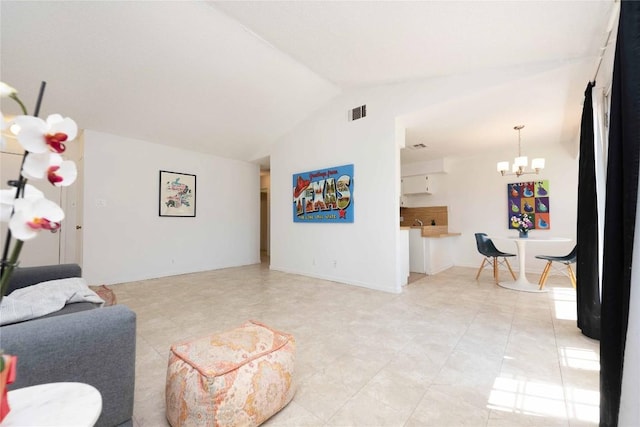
(531, 199)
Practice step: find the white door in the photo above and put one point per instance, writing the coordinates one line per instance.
(71, 237)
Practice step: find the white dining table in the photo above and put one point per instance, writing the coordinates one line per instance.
(522, 283)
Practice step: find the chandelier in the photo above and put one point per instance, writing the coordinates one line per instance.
(520, 162)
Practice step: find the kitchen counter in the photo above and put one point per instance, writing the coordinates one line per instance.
(430, 251)
(438, 236)
(432, 231)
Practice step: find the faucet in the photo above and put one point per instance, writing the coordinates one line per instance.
(418, 221)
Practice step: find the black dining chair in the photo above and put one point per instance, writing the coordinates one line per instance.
(567, 260)
(492, 256)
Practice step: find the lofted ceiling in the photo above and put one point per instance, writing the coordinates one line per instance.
(230, 78)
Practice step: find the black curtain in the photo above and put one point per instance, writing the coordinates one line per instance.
(620, 211)
(587, 269)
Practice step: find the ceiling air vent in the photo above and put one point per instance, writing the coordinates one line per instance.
(358, 113)
(418, 146)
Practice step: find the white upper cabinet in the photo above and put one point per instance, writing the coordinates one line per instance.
(418, 184)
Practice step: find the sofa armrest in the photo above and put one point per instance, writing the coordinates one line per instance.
(27, 276)
(95, 347)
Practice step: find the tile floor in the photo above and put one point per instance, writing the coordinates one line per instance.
(448, 351)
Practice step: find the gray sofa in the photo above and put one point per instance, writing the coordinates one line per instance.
(80, 343)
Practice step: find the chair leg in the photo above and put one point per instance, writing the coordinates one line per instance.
(545, 273)
(481, 267)
(495, 269)
(510, 270)
(572, 276)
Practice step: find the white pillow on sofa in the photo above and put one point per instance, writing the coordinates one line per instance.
(44, 298)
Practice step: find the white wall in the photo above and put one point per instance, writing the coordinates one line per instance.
(364, 251)
(126, 240)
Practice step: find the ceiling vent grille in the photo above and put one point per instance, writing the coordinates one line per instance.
(358, 113)
(418, 146)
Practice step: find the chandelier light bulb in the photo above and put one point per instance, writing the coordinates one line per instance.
(521, 161)
(537, 164)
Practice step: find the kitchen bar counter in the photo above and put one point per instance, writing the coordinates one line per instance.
(430, 251)
(438, 236)
(432, 231)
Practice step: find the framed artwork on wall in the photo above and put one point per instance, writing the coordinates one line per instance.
(530, 199)
(324, 195)
(177, 195)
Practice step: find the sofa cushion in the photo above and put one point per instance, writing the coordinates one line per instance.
(27, 276)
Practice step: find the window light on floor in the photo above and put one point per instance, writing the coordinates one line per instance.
(579, 358)
(525, 396)
(564, 303)
(583, 405)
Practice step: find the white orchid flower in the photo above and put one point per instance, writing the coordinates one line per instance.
(8, 197)
(58, 171)
(34, 214)
(6, 204)
(37, 136)
(6, 90)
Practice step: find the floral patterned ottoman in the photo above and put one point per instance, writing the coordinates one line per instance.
(236, 378)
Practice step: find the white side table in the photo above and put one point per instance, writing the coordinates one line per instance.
(54, 404)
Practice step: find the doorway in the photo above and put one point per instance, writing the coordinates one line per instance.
(264, 216)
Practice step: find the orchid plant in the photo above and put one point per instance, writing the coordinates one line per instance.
(23, 206)
(522, 222)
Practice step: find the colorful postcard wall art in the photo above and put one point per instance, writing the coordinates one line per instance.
(531, 199)
(324, 195)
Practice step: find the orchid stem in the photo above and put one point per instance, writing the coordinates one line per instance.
(9, 266)
(22, 107)
(22, 182)
(36, 111)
